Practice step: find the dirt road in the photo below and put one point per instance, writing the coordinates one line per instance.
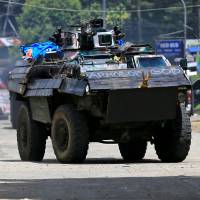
(103, 176)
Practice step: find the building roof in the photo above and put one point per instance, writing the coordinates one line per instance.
(9, 41)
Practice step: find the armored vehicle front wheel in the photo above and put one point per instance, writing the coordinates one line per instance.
(14, 106)
(134, 150)
(172, 143)
(69, 135)
(31, 136)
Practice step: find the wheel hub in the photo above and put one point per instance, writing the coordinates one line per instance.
(62, 136)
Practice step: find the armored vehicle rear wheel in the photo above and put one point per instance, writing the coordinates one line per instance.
(31, 136)
(134, 150)
(69, 135)
(172, 143)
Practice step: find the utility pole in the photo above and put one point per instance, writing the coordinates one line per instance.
(185, 25)
(104, 6)
(6, 19)
(139, 20)
(199, 22)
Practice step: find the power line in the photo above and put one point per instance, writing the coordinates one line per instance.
(98, 11)
(172, 33)
(3, 15)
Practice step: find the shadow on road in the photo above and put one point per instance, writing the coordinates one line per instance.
(116, 161)
(8, 128)
(140, 188)
(94, 161)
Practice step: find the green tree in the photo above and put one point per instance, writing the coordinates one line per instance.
(36, 24)
(93, 13)
(119, 17)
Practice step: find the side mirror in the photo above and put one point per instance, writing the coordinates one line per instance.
(184, 64)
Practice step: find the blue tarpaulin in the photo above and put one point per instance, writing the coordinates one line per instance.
(34, 51)
(194, 49)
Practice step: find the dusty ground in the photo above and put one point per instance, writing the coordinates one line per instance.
(196, 126)
(196, 123)
(103, 176)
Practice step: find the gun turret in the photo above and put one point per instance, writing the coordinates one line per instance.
(88, 36)
(93, 35)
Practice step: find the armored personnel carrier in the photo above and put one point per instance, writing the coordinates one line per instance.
(102, 93)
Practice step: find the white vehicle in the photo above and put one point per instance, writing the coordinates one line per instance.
(4, 101)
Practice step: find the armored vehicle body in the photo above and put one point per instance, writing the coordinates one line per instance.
(101, 93)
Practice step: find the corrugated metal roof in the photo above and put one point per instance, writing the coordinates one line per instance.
(9, 41)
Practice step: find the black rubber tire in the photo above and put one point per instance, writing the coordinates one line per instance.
(134, 150)
(172, 143)
(70, 135)
(31, 136)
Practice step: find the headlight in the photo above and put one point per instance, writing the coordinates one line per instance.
(87, 89)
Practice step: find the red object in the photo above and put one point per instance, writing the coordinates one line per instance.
(29, 53)
(189, 97)
(2, 85)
